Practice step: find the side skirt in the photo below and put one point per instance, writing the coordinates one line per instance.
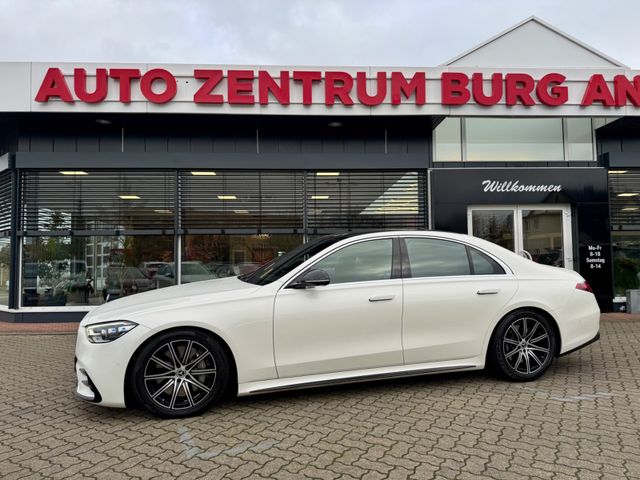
(341, 378)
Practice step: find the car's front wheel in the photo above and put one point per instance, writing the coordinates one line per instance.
(180, 373)
(523, 346)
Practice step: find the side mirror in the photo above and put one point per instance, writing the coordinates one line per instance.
(312, 278)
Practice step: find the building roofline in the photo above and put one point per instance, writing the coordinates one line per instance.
(548, 26)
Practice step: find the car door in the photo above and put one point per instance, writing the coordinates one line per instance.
(452, 293)
(352, 323)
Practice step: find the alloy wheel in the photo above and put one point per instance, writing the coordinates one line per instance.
(526, 346)
(180, 374)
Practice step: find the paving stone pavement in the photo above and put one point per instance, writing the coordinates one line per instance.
(579, 421)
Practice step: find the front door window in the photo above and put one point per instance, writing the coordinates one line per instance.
(362, 262)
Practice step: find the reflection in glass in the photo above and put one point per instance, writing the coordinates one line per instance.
(514, 139)
(366, 200)
(68, 271)
(362, 262)
(430, 257)
(495, 226)
(5, 262)
(447, 141)
(542, 236)
(216, 256)
(626, 261)
(579, 134)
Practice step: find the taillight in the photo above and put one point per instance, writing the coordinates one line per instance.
(584, 286)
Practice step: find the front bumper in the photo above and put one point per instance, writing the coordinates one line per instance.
(85, 388)
(101, 367)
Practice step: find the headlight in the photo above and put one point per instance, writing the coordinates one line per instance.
(108, 332)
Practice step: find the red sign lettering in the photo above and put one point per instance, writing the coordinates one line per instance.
(267, 85)
(518, 87)
(337, 85)
(401, 87)
(454, 88)
(549, 90)
(80, 85)
(307, 79)
(597, 91)
(624, 90)
(381, 89)
(170, 85)
(248, 87)
(240, 87)
(54, 85)
(212, 78)
(477, 86)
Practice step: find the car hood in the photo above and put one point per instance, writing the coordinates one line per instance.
(198, 277)
(163, 298)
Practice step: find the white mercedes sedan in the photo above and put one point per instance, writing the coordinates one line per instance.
(342, 308)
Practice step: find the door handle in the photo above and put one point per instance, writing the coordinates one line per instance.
(487, 292)
(381, 298)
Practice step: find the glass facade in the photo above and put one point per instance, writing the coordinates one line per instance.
(91, 237)
(5, 241)
(5, 265)
(480, 139)
(447, 140)
(497, 226)
(579, 138)
(216, 256)
(74, 271)
(624, 201)
(626, 261)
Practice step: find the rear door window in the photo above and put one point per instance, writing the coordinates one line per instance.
(483, 264)
(432, 257)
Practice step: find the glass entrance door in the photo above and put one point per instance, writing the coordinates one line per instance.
(540, 232)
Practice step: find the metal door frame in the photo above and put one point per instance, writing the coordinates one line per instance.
(518, 230)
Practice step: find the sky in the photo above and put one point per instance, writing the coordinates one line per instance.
(295, 32)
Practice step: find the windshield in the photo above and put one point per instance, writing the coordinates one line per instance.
(280, 266)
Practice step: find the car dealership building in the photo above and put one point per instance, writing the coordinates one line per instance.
(116, 179)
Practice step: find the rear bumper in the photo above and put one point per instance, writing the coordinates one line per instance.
(588, 342)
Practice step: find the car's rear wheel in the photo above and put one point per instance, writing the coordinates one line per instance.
(180, 373)
(523, 346)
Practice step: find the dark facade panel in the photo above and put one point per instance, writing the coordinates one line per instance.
(268, 161)
(65, 142)
(619, 143)
(218, 134)
(41, 317)
(87, 142)
(585, 189)
(41, 142)
(201, 144)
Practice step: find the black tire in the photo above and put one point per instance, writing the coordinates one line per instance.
(180, 373)
(522, 346)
